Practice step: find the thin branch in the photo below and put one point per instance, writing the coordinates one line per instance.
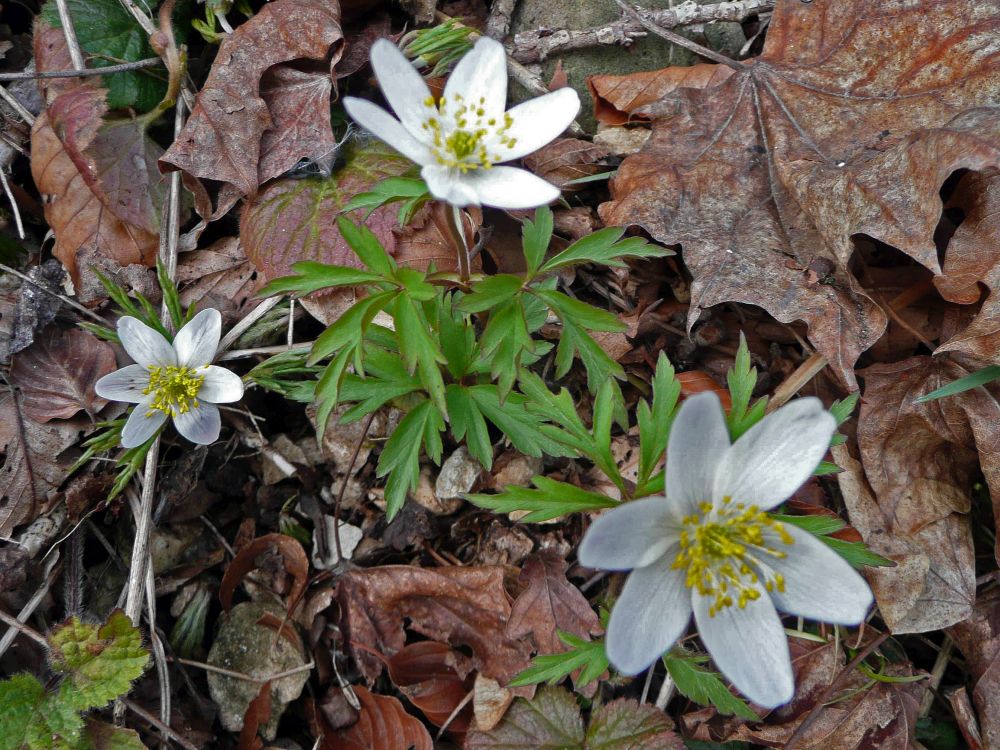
(149, 62)
(343, 485)
(643, 19)
(240, 328)
(146, 716)
(52, 569)
(69, 31)
(537, 46)
(795, 382)
(240, 675)
(25, 629)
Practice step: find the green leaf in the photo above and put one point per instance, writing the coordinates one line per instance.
(606, 248)
(328, 390)
(101, 662)
(468, 423)
(742, 378)
(655, 419)
(411, 191)
(855, 553)
(490, 292)
(626, 724)
(599, 366)
(103, 736)
(171, 298)
(550, 721)
(705, 687)
(587, 656)
(536, 236)
(579, 313)
(970, 381)
(400, 458)
(843, 408)
(311, 276)
(109, 34)
(367, 247)
(20, 697)
(504, 342)
(350, 327)
(420, 351)
(521, 427)
(457, 337)
(552, 499)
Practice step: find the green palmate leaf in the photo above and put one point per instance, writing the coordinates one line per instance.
(412, 192)
(420, 351)
(522, 427)
(109, 34)
(704, 686)
(101, 662)
(171, 298)
(575, 341)
(350, 327)
(490, 292)
(655, 419)
(536, 236)
(457, 336)
(400, 458)
(468, 424)
(327, 390)
(311, 276)
(552, 499)
(742, 378)
(580, 313)
(505, 341)
(605, 247)
(386, 379)
(587, 656)
(367, 247)
(855, 553)
(970, 381)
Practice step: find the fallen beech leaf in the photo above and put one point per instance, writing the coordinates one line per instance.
(56, 374)
(548, 603)
(848, 123)
(978, 637)
(383, 724)
(296, 564)
(552, 721)
(619, 99)
(566, 159)
(31, 471)
(425, 672)
(465, 606)
(920, 460)
(238, 137)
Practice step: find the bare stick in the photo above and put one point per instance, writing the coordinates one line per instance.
(22, 628)
(681, 41)
(498, 24)
(146, 716)
(149, 62)
(537, 46)
(16, 105)
(240, 328)
(13, 203)
(797, 381)
(69, 31)
(241, 675)
(51, 571)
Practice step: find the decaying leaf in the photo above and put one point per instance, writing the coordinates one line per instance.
(427, 673)
(978, 637)
(296, 564)
(383, 724)
(219, 276)
(245, 128)
(825, 136)
(549, 603)
(56, 374)
(566, 159)
(552, 721)
(619, 99)
(37, 304)
(465, 606)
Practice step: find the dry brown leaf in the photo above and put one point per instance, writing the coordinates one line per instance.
(382, 724)
(978, 637)
(619, 99)
(548, 603)
(566, 159)
(848, 123)
(425, 672)
(219, 276)
(57, 373)
(465, 606)
(242, 138)
(258, 714)
(295, 560)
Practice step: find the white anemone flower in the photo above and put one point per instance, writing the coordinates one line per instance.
(711, 548)
(460, 138)
(175, 380)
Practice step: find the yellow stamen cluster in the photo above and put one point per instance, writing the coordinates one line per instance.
(725, 553)
(175, 389)
(463, 135)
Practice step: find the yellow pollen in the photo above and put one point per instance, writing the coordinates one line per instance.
(462, 137)
(174, 389)
(725, 554)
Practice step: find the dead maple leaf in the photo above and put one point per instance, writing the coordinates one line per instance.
(56, 374)
(620, 99)
(566, 159)
(465, 606)
(382, 724)
(847, 124)
(247, 127)
(978, 637)
(548, 603)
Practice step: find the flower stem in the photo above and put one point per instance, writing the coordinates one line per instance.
(455, 226)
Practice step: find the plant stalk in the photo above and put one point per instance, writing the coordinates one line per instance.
(455, 223)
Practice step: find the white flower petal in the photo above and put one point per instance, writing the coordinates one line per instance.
(125, 384)
(144, 344)
(632, 535)
(510, 187)
(538, 121)
(196, 342)
(649, 616)
(386, 127)
(200, 425)
(449, 186)
(482, 73)
(819, 583)
(221, 386)
(404, 88)
(749, 647)
(699, 439)
(777, 455)
(139, 428)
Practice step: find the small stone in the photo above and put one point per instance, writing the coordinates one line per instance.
(324, 556)
(621, 141)
(458, 476)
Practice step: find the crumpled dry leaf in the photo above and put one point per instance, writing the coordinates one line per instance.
(382, 724)
(619, 99)
(428, 674)
(920, 460)
(31, 471)
(978, 637)
(566, 159)
(296, 564)
(219, 276)
(847, 124)
(56, 374)
(465, 606)
(243, 139)
(548, 603)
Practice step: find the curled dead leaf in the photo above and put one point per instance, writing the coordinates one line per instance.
(296, 564)
(382, 724)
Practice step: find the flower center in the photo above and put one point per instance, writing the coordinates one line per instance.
(174, 389)
(725, 553)
(464, 138)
